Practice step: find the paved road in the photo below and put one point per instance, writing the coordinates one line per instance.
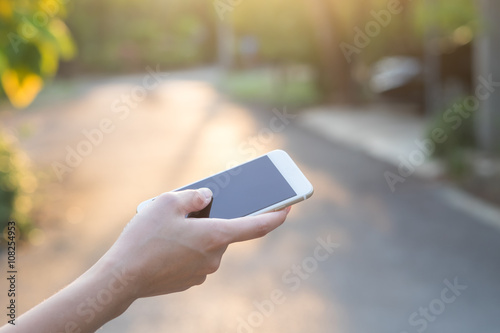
(354, 258)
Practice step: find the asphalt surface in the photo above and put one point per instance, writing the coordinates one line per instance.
(356, 257)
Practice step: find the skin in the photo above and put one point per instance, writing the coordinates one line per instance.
(159, 252)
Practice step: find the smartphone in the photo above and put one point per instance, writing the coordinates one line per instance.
(267, 183)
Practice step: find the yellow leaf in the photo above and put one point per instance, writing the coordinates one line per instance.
(54, 8)
(49, 58)
(5, 9)
(3, 61)
(61, 33)
(21, 90)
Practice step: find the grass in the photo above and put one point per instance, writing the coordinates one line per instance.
(267, 86)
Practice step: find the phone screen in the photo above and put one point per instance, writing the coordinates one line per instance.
(245, 189)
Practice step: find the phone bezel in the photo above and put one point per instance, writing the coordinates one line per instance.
(293, 175)
(287, 168)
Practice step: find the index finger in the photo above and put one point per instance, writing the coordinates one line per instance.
(251, 227)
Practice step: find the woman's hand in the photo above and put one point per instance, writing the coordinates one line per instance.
(159, 252)
(162, 251)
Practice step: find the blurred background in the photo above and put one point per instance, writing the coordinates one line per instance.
(390, 107)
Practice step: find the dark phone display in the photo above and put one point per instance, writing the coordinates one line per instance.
(246, 189)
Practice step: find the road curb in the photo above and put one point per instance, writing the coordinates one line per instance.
(322, 122)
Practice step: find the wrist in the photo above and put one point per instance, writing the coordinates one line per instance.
(99, 295)
(114, 287)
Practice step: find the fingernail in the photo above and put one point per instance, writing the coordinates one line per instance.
(287, 209)
(206, 192)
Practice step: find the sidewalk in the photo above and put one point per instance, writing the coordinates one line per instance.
(387, 133)
(390, 134)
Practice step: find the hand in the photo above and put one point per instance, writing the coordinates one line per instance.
(159, 252)
(162, 251)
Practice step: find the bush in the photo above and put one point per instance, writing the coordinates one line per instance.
(17, 184)
(457, 124)
(32, 41)
(272, 87)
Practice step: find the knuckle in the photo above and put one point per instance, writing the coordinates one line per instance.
(261, 228)
(212, 245)
(218, 237)
(168, 198)
(213, 266)
(200, 280)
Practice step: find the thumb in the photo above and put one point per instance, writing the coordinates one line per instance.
(193, 200)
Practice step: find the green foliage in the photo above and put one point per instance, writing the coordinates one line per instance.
(127, 36)
(32, 40)
(282, 27)
(446, 15)
(458, 164)
(457, 124)
(455, 24)
(16, 185)
(458, 129)
(272, 87)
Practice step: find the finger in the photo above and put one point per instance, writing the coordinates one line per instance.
(190, 200)
(251, 227)
(194, 200)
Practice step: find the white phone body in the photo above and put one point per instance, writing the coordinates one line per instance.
(267, 183)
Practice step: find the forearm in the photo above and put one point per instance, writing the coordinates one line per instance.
(159, 252)
(99, 295)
